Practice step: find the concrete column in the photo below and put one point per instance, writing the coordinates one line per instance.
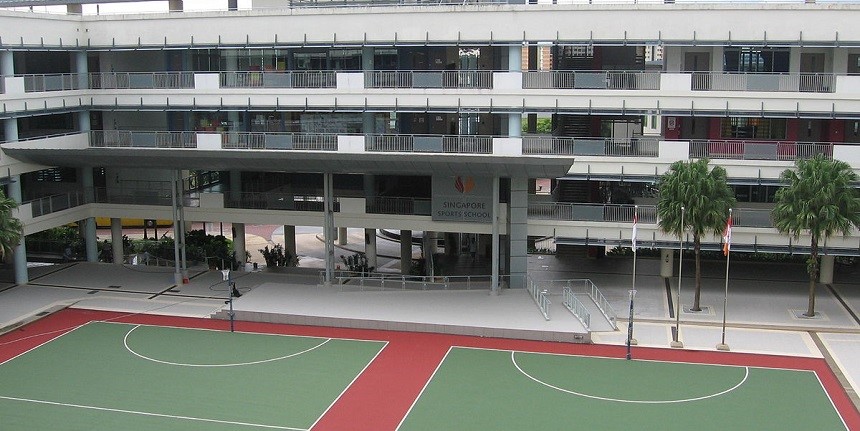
(175, 5)
(7, 65)
(116, 240)
(717, 59)
(515, 125)
(370, 247)
(235, 185)
(82, 69)
(518, 231)
(667, 262)
(341, 236)
(232, 66)
(239, 244)
(19, 254)
(367, 58)
(794, 60)
(405, 252)
(825, 273)
(328, 226)
(494, 262)
(840, 61)
(90, 238)
(74, 9)
(515, 58)
(290, 240)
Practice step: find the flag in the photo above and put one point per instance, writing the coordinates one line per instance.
(635, 222)
(727, 236)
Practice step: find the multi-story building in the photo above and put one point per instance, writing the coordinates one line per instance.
(422, 116)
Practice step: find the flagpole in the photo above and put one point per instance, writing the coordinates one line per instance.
(630, 339)
(676, 342)
(723, 345)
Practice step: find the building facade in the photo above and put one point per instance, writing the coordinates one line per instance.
(417, 116)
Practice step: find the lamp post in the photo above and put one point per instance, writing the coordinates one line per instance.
(676, 339)
(229, 280)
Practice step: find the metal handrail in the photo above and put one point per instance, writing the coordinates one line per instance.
(592, 79)
(617, 213)
(398, 205)
(279, 79)
(57, 202)
(465, 79)
(540, 297)
(460, 144)
(382, 280)
(142, 139)
(749, 149)
(586, 286)
(576, 307)
(643, 146)
(141, 80)
(279, 141)
(764, 81)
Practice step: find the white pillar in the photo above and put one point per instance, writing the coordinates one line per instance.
(825, 274)
(515, 64)
(341, 236)
(494, 263)
(370, 248)
(667, 262)
(82, 70)
(19, 255)
(405, 252)
(239, 244)
(116, 240)
(328, 228)
(7, 65)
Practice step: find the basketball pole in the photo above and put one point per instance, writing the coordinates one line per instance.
(229, 280)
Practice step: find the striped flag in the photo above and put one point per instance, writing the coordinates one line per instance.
(635, 223)
(727, 236)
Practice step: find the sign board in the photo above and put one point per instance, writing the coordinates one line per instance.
(462, 198)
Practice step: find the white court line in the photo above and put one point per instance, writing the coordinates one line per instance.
(193, 328)
(237, 364)
(68, 331)
(427, 383)
(838, 413)
(159, 415)
(620, 400)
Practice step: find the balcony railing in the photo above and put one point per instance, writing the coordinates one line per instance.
(279, 141)
(575, 146)
(789, 82)
(136, 139)
(300, 79)
(429, 79)
(141, 80)
(398, 205)
(276, 201)
(758, 150)
(623, 213)
(599, 79)
(143, 193)
(54, 82)
(462, 144)
(54, 203)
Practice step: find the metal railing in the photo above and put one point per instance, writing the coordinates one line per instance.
(769, 82)
(279, 141)
(618, 213)
(54, 203)
(273, 200)
(142, 139)
(576, 307)
(54, 82)
(398, 205)
(391, 281)
(285, 79)
(465, 79)
(582, 146)
(540, 297)
(141, 80)
(597, 79)
(460, 144)
(587, 287)
(154, 193)
(758, 150)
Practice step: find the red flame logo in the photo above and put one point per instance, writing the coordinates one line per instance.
(464, 185)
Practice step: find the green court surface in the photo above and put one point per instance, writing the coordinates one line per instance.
(110, 376)
(503, 390)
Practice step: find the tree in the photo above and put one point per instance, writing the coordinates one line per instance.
(10, 227)
(820, 198)
(706, 198)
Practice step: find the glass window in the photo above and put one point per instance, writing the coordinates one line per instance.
(753, 128)
(767, 60)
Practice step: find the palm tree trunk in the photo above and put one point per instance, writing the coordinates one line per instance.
(696, 249)
(813, 276)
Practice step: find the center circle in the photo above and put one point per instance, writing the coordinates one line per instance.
(640, 382)
(207, 348)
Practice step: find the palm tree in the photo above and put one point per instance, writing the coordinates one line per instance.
(706, 198)
(10, 227)
(821, 199)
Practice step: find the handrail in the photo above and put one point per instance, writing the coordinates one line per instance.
(756, 149)
(465, 79)
(643, 146)
(57, 202)
(143, 139)
(278, 79)
(539, 296)
(462, 144)
(764, 81)
(279, 141)
(592, 79)
(382, 280)
(576, 307)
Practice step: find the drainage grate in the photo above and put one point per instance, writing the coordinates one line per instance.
(42, 313)
(92, 291)
(173, 290)
(113, 286)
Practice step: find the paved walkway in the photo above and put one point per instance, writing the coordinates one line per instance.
(765, 301)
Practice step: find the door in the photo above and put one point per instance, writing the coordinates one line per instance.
(812, 78)
(699, 62)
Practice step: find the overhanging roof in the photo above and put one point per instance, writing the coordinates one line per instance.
(295, 161)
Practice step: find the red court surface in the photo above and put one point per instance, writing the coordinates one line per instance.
(381, 396)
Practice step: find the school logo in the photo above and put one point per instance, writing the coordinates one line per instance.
(464, 185)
